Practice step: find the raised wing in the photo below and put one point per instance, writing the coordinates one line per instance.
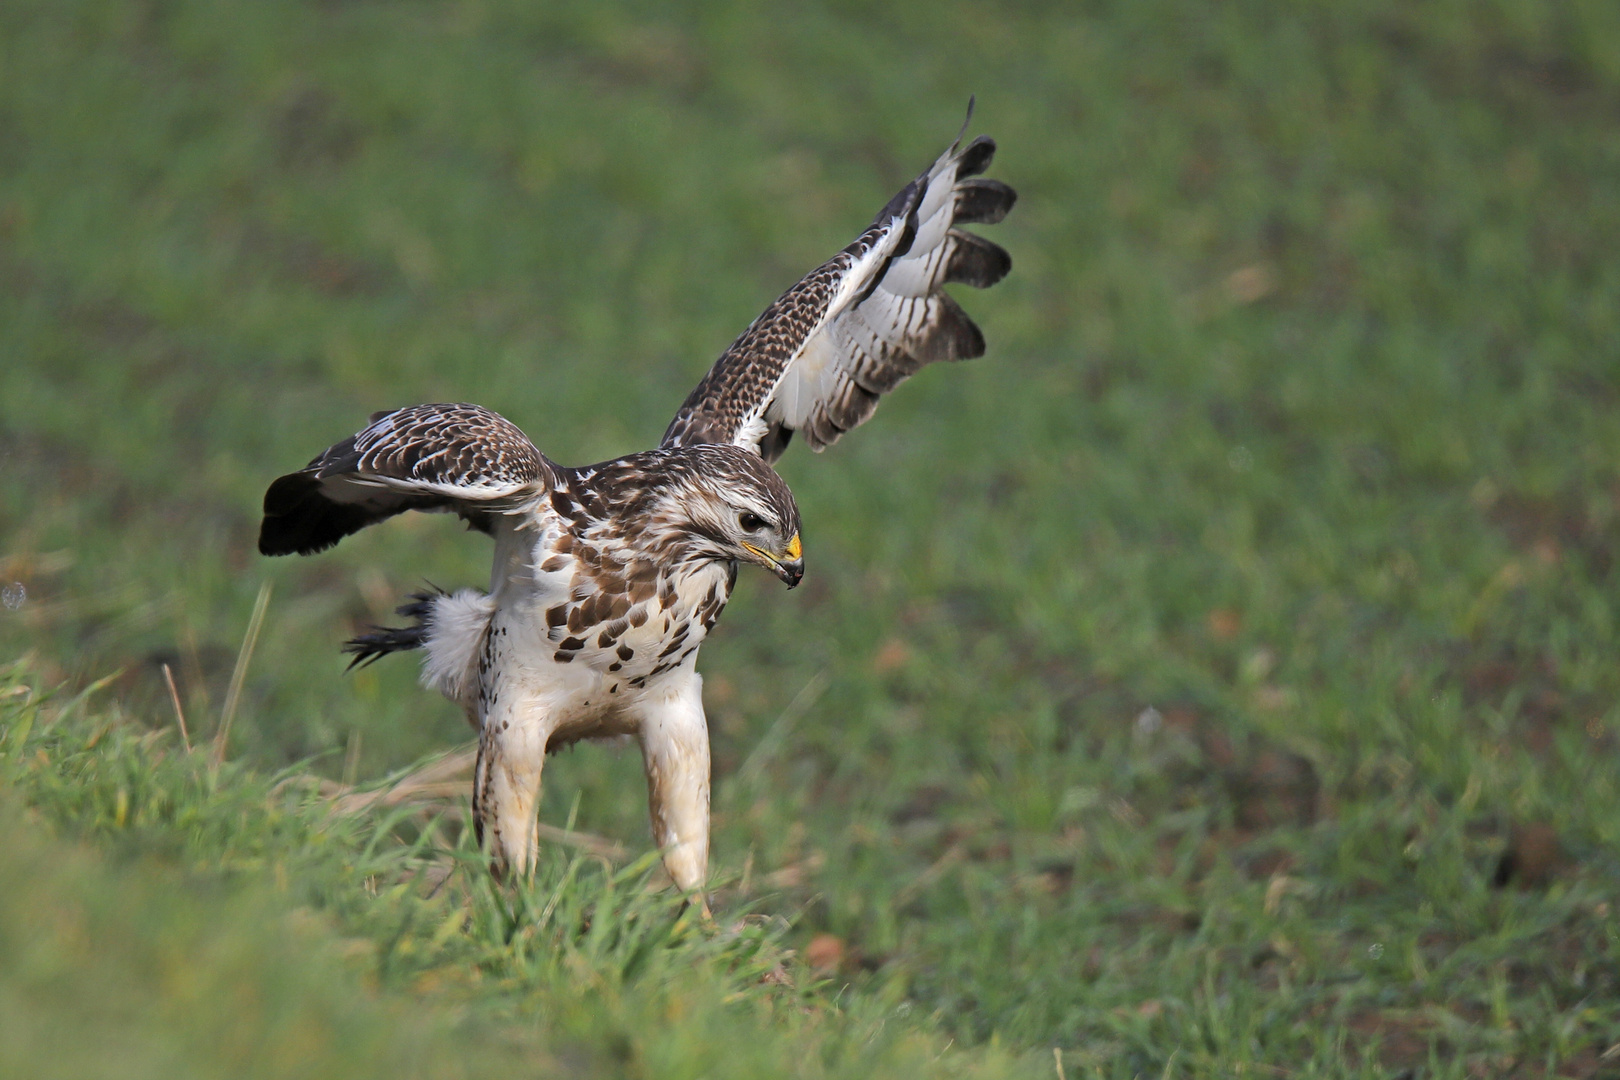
(857, 326)
(462, 459)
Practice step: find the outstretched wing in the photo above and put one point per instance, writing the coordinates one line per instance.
(857, 326)
(458, 458)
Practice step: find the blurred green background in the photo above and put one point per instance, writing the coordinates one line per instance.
(1219, 675)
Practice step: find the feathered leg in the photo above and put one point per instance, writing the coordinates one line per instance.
(506, 782)
(675, 749)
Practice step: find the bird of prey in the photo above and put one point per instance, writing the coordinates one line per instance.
(607, 577)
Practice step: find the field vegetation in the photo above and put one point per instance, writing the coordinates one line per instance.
(1219, 678)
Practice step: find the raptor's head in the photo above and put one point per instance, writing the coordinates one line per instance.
(735, 507)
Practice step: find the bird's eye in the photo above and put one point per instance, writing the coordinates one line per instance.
(750, 522)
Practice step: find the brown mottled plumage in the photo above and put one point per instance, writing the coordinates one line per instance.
(607, 578)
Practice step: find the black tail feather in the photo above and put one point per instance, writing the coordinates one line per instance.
(367, 648)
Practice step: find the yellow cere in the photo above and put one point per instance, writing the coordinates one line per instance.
(794, 548)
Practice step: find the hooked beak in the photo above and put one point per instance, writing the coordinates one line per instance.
(791, 571)
(789, 566)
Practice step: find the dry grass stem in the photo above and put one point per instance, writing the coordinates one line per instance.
(772, 741)
(179, 713)
(239, 674)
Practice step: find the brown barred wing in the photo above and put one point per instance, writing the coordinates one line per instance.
(461, 459)
(821, 356)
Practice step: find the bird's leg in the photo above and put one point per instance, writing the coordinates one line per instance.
(675, 749)
(506, 787)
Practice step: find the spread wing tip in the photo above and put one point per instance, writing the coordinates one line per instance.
(976, 157)
(819, 358)
(299, 520)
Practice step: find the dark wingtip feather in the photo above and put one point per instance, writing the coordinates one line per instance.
(983, 202)
(969, 340)
(298, 519)
(976, 158)
(955, 336)
(976, 261)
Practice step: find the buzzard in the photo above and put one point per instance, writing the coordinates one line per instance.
(608, 577)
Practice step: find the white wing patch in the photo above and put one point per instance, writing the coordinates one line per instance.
(808, 380)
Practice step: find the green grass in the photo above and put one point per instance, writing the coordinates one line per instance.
(1217, 678)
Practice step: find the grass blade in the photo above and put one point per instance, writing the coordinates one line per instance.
(239, 674)
(179, 713)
